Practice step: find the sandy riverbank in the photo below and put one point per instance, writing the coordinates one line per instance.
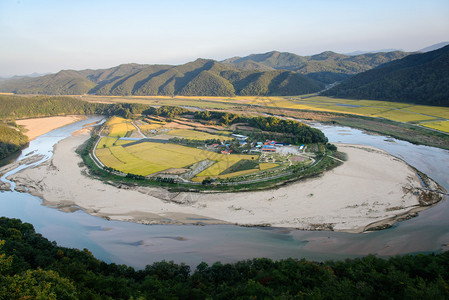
(38, 126)
(370, 187)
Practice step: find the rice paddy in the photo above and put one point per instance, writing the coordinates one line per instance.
(195, 135)
(148, 158)
(439, 125)
(119, 127)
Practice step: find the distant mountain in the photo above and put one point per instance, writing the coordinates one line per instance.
(66, 82)
(434, 47)
(359, 52)
(327, 67)
(202, 77)
(418, 78)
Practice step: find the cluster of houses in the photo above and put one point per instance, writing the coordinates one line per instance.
(267, 146)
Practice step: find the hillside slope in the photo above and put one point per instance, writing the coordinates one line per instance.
(326, 67)
(419, 78)
(202, 77)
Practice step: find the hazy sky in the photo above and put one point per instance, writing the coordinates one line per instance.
(50, 35)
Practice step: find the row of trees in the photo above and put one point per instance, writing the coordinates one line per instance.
(33, 267)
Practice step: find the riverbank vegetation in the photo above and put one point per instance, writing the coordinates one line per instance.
(11, 139)
(33, 267)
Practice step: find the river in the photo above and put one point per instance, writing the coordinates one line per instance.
(138, 245)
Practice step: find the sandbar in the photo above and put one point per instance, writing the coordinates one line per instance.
(370, 187)
(35, 127)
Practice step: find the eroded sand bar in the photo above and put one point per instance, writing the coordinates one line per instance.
(371, 186)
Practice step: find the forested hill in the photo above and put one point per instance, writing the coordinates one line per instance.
(419, 78)
(272, 73)
(201, 77)
(327, 67)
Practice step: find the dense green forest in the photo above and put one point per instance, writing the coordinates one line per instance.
(33, 267)
(419, 78)
(326, 67)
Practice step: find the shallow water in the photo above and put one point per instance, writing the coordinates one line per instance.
(138, 245)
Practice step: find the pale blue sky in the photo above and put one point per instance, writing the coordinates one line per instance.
(50, 35)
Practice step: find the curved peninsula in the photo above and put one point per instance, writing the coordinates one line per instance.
(369, 188)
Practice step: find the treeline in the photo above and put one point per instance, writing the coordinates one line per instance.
(165, 111)
(11, 140)
(16, 107)
(301, 132)
(33, 267)
(288, 131)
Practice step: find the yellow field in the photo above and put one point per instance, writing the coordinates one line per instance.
(439, 125)
(108, 141)
(224, 162)
(266, 166)
(403, 116)
(441, 112)
(117, 126)
(148, 158)
(239, 173)
(195, 135)
(108, 159)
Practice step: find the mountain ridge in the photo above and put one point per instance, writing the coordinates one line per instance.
(271, 73)
(202, 77)
(421, 78)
